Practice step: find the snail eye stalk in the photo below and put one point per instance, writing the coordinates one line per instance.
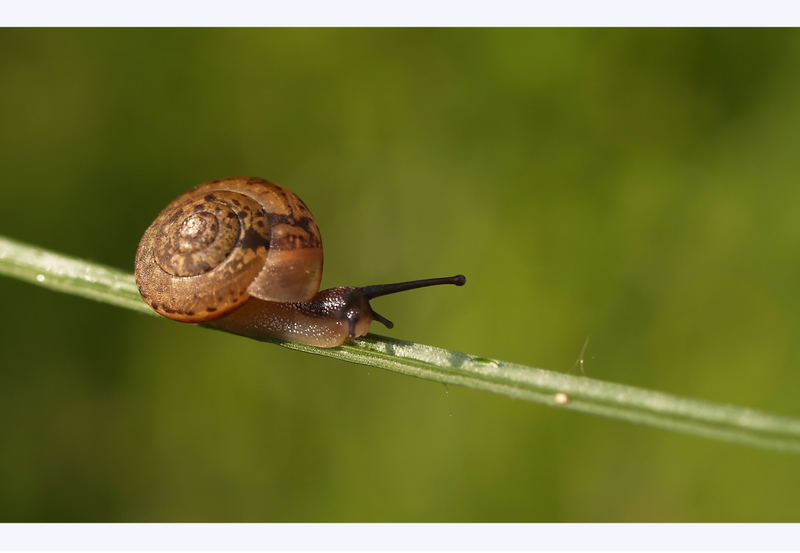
(378, 290)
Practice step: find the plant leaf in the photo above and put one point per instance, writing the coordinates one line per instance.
(702, 418)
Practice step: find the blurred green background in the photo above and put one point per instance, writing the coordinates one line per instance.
(637, 187)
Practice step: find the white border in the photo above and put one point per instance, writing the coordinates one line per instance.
(259, 13)
(407, 537)
(413, 537)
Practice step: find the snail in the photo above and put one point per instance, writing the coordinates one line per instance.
(245, 255)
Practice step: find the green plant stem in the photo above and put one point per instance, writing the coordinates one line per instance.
(578, 393)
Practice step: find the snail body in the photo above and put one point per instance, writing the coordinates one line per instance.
(245, 255)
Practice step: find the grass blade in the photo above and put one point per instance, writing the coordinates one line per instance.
(711, 420)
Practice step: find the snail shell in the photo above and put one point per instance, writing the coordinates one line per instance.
(224, 241)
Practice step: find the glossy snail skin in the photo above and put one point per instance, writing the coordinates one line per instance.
(295, 322)
(246, 254)
(328, 320)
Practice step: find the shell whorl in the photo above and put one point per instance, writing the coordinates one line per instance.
(220, 243)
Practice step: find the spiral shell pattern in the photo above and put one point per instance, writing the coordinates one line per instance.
(224, 241)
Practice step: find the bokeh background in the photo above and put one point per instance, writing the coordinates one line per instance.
(635, 187)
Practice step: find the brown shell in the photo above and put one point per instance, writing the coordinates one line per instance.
(224, 241)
